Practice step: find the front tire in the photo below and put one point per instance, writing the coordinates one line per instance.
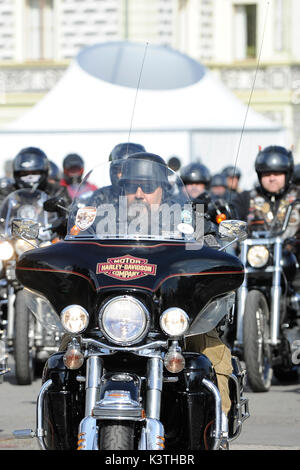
(257, 350)
(116, 436)
(23, 341)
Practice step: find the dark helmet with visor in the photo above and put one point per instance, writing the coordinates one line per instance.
(146, 170)
(118, 154)
(195, 173)
(275, 159)
(30, 168)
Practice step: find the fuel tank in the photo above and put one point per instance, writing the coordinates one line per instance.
(85, 272)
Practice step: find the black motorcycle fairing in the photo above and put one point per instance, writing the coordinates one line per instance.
(63, 404)
(66, 273)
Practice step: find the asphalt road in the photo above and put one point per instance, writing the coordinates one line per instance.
(274, 423)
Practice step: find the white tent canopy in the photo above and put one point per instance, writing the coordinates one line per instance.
(153, 95)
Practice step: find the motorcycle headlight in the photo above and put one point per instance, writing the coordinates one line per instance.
(174, 321)
(6, 251)
(124, 320)
(21, 246)
(258, 256)
(74, 319)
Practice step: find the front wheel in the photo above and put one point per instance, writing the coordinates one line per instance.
(23, 341)
(116, 436)
(257, 350)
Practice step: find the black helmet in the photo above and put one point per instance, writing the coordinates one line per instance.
(277, 159)
(73, 166)
(30, 168)
(145, 167)
(218, 179)
(195, 173)
(117, 155)
(54, 172)
(231, 171)
(296, 177)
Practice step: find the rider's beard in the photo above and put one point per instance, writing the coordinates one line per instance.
(139, 217)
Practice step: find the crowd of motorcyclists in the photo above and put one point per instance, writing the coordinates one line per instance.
(264, 206)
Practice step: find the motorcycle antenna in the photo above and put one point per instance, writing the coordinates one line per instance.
(136, 93)
(250, 96)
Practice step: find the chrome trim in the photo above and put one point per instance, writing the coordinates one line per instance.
(242, 408)
(88, 434)
(154, 387)
(40, 432)
(120, 407)
(110, 347)
(217, 432)
(276, 294)
(155, 433)
(92, 384)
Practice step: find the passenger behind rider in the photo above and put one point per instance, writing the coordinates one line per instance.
(73, 169)
(146, 184)
(110, 194)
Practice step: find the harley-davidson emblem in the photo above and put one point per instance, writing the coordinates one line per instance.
(126, 267)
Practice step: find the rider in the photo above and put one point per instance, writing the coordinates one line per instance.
(73, 168)
(30, 169)
(145, 182)
(218, 186)
(233, 176)
(264, 207)
(196, 178)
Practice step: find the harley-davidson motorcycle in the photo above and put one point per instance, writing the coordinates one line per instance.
(266, 327)
(128, 294)
(24, 332)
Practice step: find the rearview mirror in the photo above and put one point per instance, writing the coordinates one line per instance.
(230, 230)
(25, 228)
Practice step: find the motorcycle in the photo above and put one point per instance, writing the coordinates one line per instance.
(23, 331)
(266, 326)
(128, 295)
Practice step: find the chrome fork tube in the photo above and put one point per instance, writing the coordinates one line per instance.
(276, 293)
(10, 312)
(241, 295)
(154, 387)
(93, 376)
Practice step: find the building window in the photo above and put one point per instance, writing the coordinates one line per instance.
(245, 19)
(39, 30)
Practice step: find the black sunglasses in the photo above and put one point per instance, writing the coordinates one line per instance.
(147, 187)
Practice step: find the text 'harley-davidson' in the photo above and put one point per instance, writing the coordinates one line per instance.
(134, 277)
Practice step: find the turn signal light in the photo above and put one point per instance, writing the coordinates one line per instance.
(73, 358)
(220, 217)
(174, 362)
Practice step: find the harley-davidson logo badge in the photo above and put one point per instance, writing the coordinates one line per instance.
(126, 267)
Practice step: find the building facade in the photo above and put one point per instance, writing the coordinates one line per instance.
(252, 45)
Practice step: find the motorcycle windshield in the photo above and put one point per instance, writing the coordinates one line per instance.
(138, 199)
(23, 204)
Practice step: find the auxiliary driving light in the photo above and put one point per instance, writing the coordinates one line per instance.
(174, 321)
(74, 319)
